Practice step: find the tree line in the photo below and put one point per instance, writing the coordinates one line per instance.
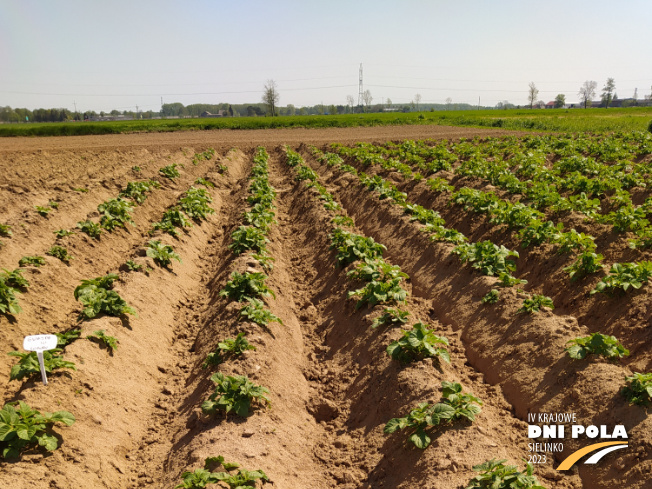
(587, 93)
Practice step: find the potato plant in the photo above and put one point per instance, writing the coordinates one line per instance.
(204, 182)
(137, 191)
(420, 342)
(60, 252)
(255, 312)
(234, 394)
(170, 171)
(247, 238)
(14, 278)
(162, 254)
(28, 365)
(391, 317)
(62, 233)
(229, 347)
(115, 213)
(97, 297)
(195, 204)
(491, 297)
(535, 302)
(487, 257)
(8, 299)
(22, 427)
(596, 344)
(100, 336)
(31, 261)
(638, 389)
(352, 247)
(245, 286)
(587, 262)
(380, 292)
(243, 479)
(42, 211)
(172, 218)
(624, 277)
(93, 229)
(494, 474)
(454, 405)
(67, 337)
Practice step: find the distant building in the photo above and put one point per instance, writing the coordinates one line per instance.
(220, 113)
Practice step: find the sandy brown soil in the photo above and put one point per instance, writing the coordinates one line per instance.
(139, 422)
(225, 139)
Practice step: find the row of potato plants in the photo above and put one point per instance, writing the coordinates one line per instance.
(114, 213)
(638, 387)
(525, 172)
(22, 427)
(98, 297)
(383, 288)
(237, 394)
(486, 257)
(530, 226)
(501, 163)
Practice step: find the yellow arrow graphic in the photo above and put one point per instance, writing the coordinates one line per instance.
(575, 456)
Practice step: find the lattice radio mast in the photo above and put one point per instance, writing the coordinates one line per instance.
(360, 88)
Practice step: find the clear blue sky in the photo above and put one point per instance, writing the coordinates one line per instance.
(122, 53)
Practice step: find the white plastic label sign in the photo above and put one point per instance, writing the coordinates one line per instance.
(39, 343)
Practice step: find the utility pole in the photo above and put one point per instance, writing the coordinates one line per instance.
(360, 90)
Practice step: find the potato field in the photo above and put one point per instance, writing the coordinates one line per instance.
(390, 307)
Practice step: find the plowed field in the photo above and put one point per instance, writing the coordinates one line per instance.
(139, 421)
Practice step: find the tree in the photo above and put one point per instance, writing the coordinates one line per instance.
(350, 101)
(560, 101)
(389, 103)
(271, 96)
(533, 93)
(607, 92)
(449, 102)
(175, 109)
(587, 91)
(417, 100)
(367, 98)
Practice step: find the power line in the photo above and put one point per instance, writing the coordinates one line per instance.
(167, 94)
